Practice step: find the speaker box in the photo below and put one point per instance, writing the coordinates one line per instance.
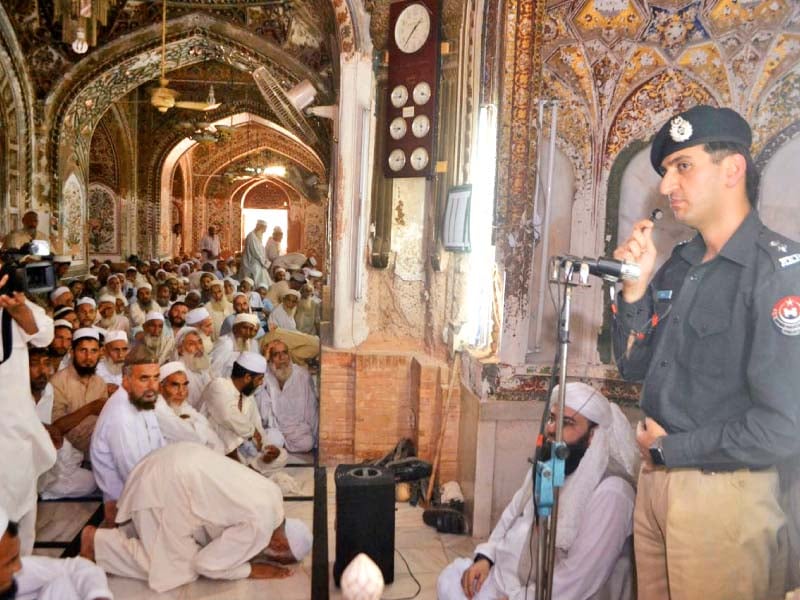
(364, 517)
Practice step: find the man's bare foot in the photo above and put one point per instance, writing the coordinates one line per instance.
(87, 542)
(265, 571)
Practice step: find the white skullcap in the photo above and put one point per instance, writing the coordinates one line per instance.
(249, 280)
(86, 333)
(161, 271)
(312, 261)
(246, 318)
(171, 368)
(131, 268)
(154, 315)
(62, 323)
(153, 261)
(107, 298)
(583, 398)
(197, 315)
(261, 222)
(215, 283)
(237, 294)
(232, 281)
(282, 269)
(255, 363)
(3, 521)
(124, 300)
(312, 272)
(57, 292)
(88, 277)
(62, 258)
(294, 293)
(116, 335)
(183, 332)
(144, 286)
(277, 228)
(86, 300)
(299, 536)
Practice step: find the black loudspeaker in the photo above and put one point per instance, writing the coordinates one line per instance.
(364, 517)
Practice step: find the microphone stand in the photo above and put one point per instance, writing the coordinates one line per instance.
(549, 475)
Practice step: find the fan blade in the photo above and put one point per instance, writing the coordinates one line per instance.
(204, 106)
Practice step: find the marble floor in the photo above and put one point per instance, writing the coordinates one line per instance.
(426, 551)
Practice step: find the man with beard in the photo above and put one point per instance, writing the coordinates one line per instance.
(127, 429)
(156, 341)
(113, 286)
(142, 268)
(176, 316)
(59, 349)
(30, 577)
(190, 352)
(109, 319)
(230, 286)
(27, 233)
(201, 320)
(86, 309)
(283, 316)
(241, 306)
(66, 478)
(177, 419)
(306, 317)
(163, 295)
(228, 403)
(282, 326)
(143, 305)
(206, 278)
(61, 296)
(246, 287)
(254, 262)
(278, 289)
(79, 385)
(194, 513)
(273, 245)
(218, 307)
(228, 347)
(115, 350)
(192, 299)
(595, 519)
(288, 397)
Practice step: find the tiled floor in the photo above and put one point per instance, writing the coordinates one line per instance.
(426, 551)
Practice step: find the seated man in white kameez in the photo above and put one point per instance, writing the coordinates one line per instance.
(66, 478)
(228, 347)
(246, 287)
(109, 319)
(156, 341)
(218, 306)
(278, 290)
(193, 512)
(42, 577)
(115, 350)
(228, 403)
(307, 315)
(178, 421)
(288, 396)
(142, 305)
(127, 429)
(282, 326)
(200, 319)
(241, 305)
(190, 351)
(595, 516)
(86, 309)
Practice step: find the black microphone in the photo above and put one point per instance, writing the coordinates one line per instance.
(612, 269)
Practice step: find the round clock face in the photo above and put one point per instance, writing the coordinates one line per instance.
(397, 160)
(398, 128)
(422, 92)
(399, 96)
(420, 126)
(419, 159)
(412, 28)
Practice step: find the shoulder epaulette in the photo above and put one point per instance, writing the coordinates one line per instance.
(784, 251)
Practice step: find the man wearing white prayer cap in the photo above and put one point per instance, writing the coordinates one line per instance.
(31, 577)
(144, 304)
(593, 537)
(282, 326)
(109, 319)
(283, 315)
(156, 341)
(218, 306)
(115, 350)
(178, 420)
(190, 351)
(197, 513)
(254, 261)
(228, 403)
(61, 296)
(229, 346)
(241, 304)
(200, 319)
(86, 309)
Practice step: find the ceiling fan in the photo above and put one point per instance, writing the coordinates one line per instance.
(163, 98)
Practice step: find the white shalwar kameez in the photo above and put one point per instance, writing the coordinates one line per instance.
(195, 513)
(597, 566)
(22, 436)
(254, 261)
(280, 318)
(221, 405)
(122, 436)
(185, 424)
(66, 479)
(106, 375)
(224, 354)
(198, 380)
(295, 408)
(44, 578)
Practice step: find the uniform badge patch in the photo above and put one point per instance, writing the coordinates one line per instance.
(680, 129)
(786, 315)
(788, 261)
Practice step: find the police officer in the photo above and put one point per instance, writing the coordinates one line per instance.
(714, 338)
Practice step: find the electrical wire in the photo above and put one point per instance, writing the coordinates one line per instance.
(419, 586)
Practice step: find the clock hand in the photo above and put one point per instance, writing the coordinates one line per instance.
(413, 30)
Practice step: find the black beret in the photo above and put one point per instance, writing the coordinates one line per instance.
(699, 125)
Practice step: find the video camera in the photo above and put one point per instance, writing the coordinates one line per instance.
(29, 268)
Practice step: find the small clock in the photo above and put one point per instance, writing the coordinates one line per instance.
(422, 92)
(412, 28)
(397, 160)
(398, 128)
(420, 126)
(399, 96)
(419, 159)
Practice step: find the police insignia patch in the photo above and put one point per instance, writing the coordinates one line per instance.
(786, 315)
(680, 129)
(788, 261)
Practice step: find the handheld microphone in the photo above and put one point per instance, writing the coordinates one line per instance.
(612, 269)
(656, 215)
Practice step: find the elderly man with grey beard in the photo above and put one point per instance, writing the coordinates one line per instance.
(144, 304)
(200, 319)
(241, 305)
(109, 319)
(109, 368)
(218, 306)
(228, 347)
(289, 397)
(190, 352)
(156, 341)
